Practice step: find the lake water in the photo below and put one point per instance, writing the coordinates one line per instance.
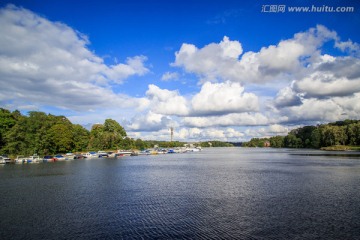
(219, 193)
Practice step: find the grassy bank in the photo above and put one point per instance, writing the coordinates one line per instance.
(341, 148)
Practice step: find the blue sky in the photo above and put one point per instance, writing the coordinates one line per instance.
(220, 70)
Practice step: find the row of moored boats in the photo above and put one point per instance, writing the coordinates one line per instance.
(4, 159)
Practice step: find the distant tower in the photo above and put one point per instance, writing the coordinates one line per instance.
(171, 133)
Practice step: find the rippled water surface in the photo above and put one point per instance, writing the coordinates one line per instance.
(219, 193)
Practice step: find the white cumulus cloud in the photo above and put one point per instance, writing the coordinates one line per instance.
(164, 101)
(223, 98)
(49, 63)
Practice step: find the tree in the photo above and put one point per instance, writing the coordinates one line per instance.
(7, 121)
(277, 141)
(112, 126)
(315, 138)
(61, 138)
(81, 137)
(109, 135)
(96, 137)
(292, 141)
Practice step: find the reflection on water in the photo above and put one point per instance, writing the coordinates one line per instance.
(228, 193)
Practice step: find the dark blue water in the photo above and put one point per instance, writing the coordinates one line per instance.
(228, 193)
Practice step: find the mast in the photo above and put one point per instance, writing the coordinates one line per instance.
(171, 133)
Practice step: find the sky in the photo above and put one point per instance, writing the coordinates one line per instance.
(214, 70)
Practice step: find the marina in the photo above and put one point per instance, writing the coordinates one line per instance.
(4, 159)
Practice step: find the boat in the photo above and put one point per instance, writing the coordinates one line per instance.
(195, 149)
(134, 154)
(102, 154)
(144, 152)
(49, 158)
(20, 159)
(5, 158)
(59, 157)
(162, 151)
(124, 153)
(78, 156)
(112, 154)
(33, 159)
(69, 156)
(90, 155)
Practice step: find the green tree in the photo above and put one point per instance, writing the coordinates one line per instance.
(315, 138)
(81, 138)
(292, 141)
(7, 121)
(277, 141)
(109, 135)
(61, 140)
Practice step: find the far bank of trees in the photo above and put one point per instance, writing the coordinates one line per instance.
(337, 133)
(47, 134)
(44, 134)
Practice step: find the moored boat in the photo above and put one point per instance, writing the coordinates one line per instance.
(20, 159)
(78, 156)
(90, 155)
(5, 159)
(33, 159)
(124, 152)
(102, 154)
(59, 157)
(144, 152)
(69, 156)
(195, 149)
(49, 158)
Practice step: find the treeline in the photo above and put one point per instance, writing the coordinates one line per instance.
(216, 144)
(44, 134)
(47, 134)
(337, 133)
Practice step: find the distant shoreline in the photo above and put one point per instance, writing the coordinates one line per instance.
(341, 148)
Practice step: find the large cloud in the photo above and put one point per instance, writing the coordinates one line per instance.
(212, 61)
(223, 98)
(49, 63)
(314, 110)
(164, 101)
(149, 122)
(224, 61)
(332, 77)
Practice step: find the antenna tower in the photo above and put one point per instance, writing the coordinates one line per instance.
(171, 133)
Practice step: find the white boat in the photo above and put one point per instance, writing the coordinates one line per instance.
(20, 159)
(69, 156)
(102, 154)
(124, 152)
(145, 152)
(195, 149)
(33, 159)
(90, 155)
(5, 159)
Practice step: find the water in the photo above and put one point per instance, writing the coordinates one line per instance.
(219, 193)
